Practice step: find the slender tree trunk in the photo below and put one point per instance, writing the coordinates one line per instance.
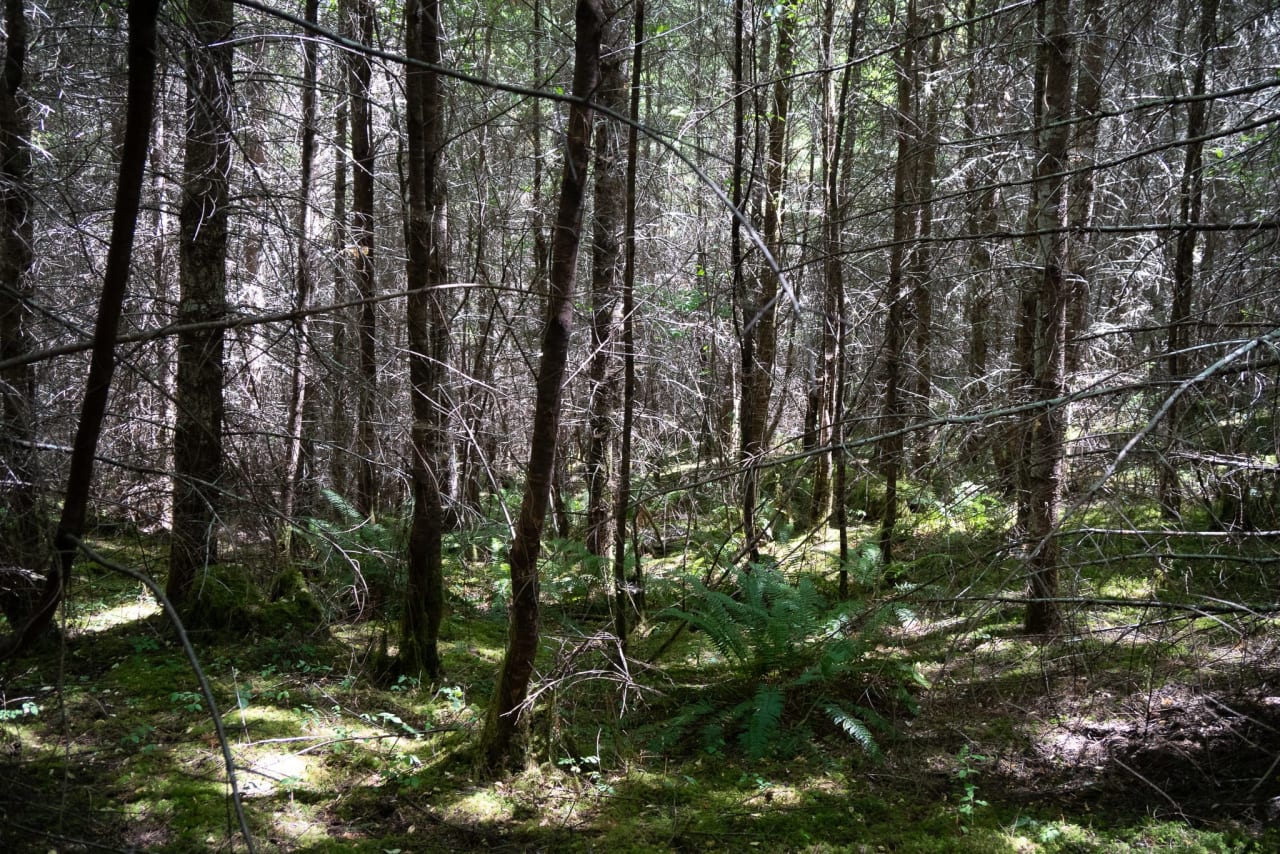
(826, 387)
(1049, 320)
(202, 276)
(629, 599)
(1088, 102)
(362, 219)
(920, 283)
(759, 306)
(339, 419)
(606, 274)
(297, 464)
(427, 269)
(139, 108)
(1190, 201)
(499, 743)
(20, 534)
(981, 221)
(897, 333)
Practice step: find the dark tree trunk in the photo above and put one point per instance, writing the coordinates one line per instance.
(1049, 321)
(1088, 102)
(202, 276)
(629, 598)
(759, 304)
(1190, 200)
(298, 463)
(606, 275)
(20, 529)
(499, 744)
(427, 269)
(927, 110)
(897, 334)
(139, 109)
(362, 156)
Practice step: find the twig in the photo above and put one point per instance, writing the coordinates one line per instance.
(205, 688)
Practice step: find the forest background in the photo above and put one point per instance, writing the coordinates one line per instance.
(603, 385)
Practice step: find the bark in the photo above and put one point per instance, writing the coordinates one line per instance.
(139, 109)
(606, 275)
(1049, 321)
(339, 422)
(499, 743)
(298, 460)
(20, 537)
(202, 278)
(827, 389)
(980, 189)
(897, 333)
(1190, 202)
(362, 220)
(629, 598)
(759, 305)
(1088, 102)
(927, 110)
(426, 240)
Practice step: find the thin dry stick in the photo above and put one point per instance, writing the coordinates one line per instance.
(205, 689)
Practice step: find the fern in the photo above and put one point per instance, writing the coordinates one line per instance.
(763, 722)
(854, 728)
(795, 651)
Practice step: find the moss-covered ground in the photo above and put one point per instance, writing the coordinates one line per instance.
(1137, 729)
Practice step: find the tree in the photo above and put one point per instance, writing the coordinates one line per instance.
(628, 597)
(19, 524)
(905, 225)
(1047, 301)
(202, 275)
(606, 274)
(115, 282)
(297, 460)
(363, 157)
(1190, 205)
(499, 742)
(759, 330)
(426, 239)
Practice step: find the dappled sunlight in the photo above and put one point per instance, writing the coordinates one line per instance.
(93, 622)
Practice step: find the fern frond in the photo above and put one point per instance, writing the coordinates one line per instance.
(344, 508)
(854, 728)
(762, 724)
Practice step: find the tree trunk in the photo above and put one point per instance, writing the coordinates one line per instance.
(606, 273)
(499, 744)
(629, 598)
(139, 108)
(21, 528)
(339, 420)
(426, 240)
(297, 464)
(1190, 200)
(362, 156)
(759, 305)
(1088, 102)
(202, 277)
(927, 110)
(897, 332)
(1045, 442)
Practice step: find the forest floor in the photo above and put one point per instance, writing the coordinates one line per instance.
(1134, 730)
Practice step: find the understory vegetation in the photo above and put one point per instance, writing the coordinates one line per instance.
(754, 710)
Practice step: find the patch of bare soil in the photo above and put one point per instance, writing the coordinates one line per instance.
(1175, 752)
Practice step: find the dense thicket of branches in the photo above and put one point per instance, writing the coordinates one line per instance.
(977, 250)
